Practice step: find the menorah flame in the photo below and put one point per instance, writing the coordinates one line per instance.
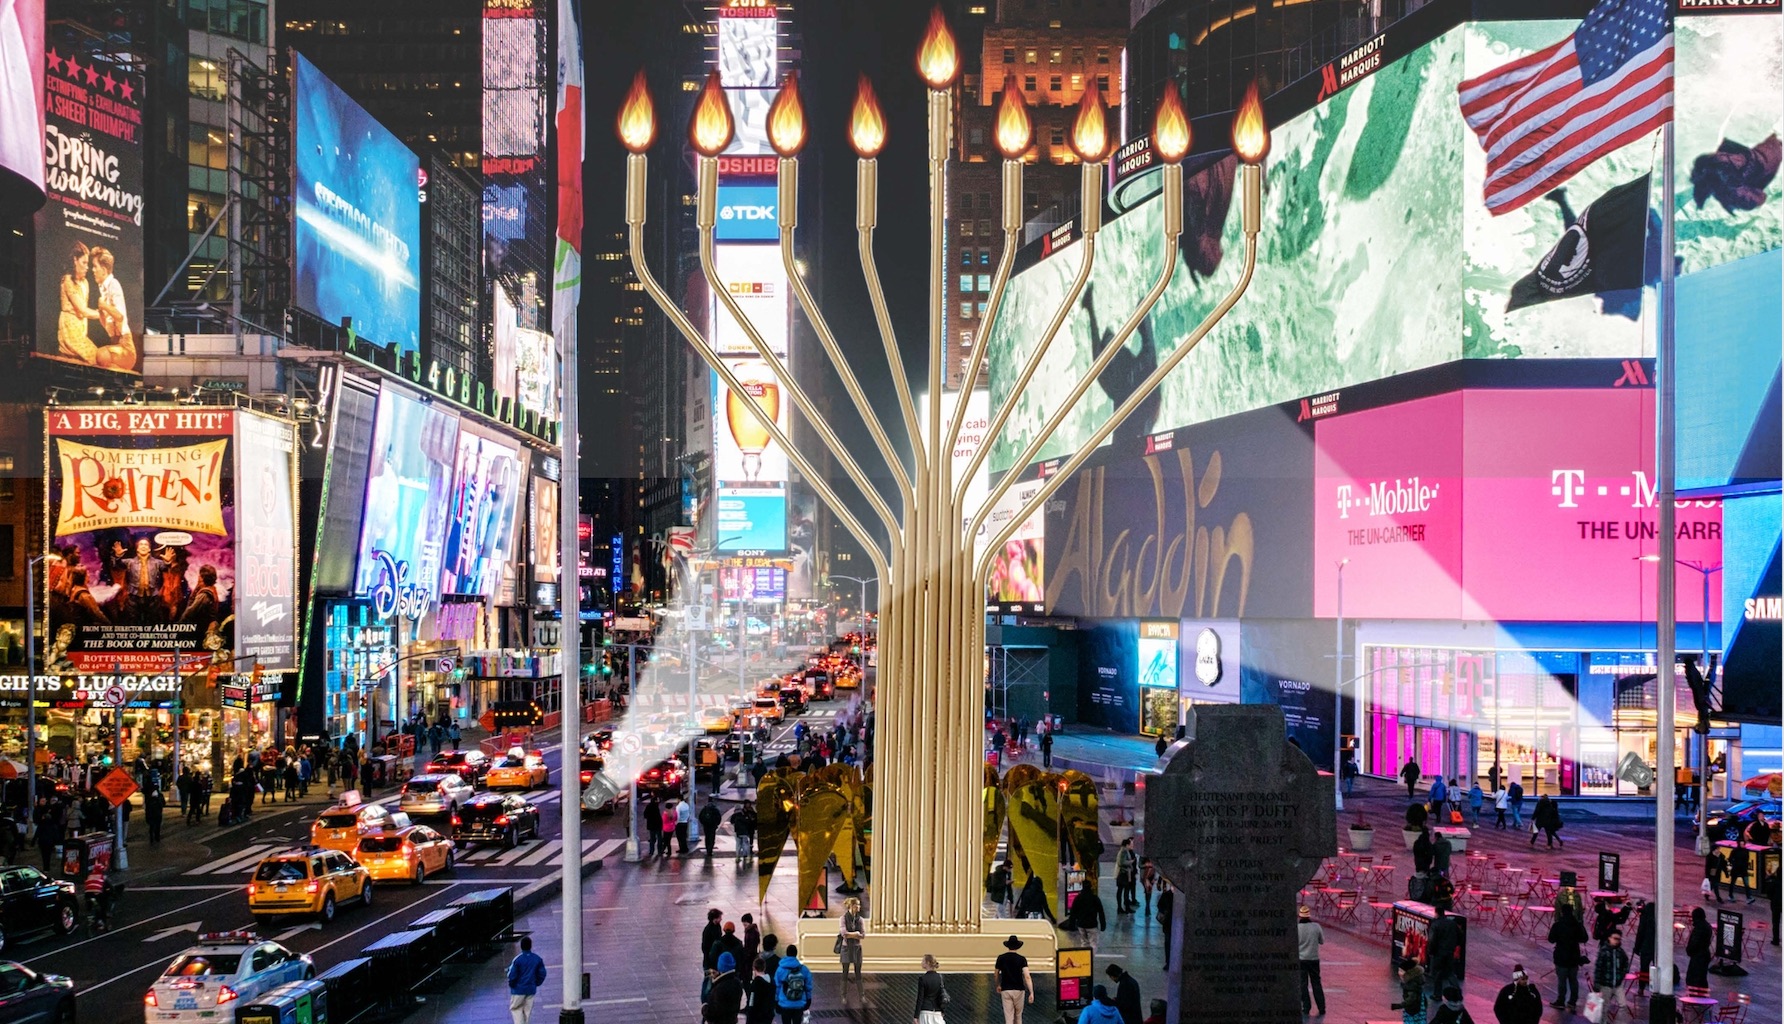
(926, 855)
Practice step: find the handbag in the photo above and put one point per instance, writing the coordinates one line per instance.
(1593, 1010)
(837, 948)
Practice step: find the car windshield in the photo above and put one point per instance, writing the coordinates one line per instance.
(513, 762)
(450, 758)
(198, 965)
(381, 844)
(421, 786)
(338, 820)
(282, 871)
(484, 809)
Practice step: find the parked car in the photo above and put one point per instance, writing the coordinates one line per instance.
(224, 968)
(409, 854)
(27, 997)
(32, 902)
(307, 880)
(439, 795)
(470, 765)
(505, 818)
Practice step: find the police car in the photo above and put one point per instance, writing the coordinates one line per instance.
(224, 970)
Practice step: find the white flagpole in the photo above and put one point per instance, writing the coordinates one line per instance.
(1662, 1008)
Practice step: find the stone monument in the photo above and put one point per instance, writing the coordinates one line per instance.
(1238, 820)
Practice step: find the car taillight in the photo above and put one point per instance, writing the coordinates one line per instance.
(502, 819)
(150, 1000)
(225, 994)
(457, 821)
(313, 887)
(586, 777)
(251, 887)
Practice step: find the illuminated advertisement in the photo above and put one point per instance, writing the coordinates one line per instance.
(536, 372)
(350, 430)
(357, 223)
(542, 524)
(757, 281)
(266, 530)
(407, 494)
(21, 101)
(747, 214)
(1156, 667)
(89, 233)
(518, 233)
(480, 518)
(752, 519)
(566, 263)
(749, 112)
(1517, 505)
(768, 583)
(1018, 573)
(748, 36)
(743, 451)
(142, 511)
(513, 39)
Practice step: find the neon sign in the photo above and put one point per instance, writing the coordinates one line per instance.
(395, 594)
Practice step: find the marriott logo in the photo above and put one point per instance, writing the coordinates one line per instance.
(1401, 497)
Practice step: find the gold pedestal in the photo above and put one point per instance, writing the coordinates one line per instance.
(902, 953)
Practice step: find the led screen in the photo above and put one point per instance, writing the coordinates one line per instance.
(1017, 572)
(343, 494)
(357, 224)
(1158, 660)
(749, 111)
(747, 40)
(752, 519)
(480, 518)
(757, 281)
(407, 493)
(266, 532)
(536, 372)
(747, 214)
(21, 98)
(89, 234)
(547, 555)
(513, 39)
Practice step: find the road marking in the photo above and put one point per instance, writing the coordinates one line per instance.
(167, 933)
(617, 1002)
(134, 924)
(601, 850)
(507, 857)
(444, 887)
(222, 865)
(539, 854)
(290, 933)
(229, 887)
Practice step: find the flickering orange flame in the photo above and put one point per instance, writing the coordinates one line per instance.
(867, 128)
(1014, 129)
(1251, 134)
(637, 122)
(938, 59)
(711, 127)
(1170, 127)
(1090, 131)
(786, 119)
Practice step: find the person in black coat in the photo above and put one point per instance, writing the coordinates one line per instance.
(1698, 948)
(1518, 1002)
(1606, 921)
(1423, 852)
(1568, 935)
(1441, 954)
(761, 993)
(1644, 943)
(1086, 917)
(1127, 994)
(724, 1000)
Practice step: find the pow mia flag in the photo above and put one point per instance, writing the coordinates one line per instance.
(1600, 251)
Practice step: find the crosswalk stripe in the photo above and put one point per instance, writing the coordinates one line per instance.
(510, 856)
(539, 854)
(237, 861)
(601, 849)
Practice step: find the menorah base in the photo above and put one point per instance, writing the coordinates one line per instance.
(902, 953)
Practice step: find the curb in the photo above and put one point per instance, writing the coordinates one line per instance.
(541, 892)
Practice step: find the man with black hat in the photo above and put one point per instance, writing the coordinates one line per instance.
(1014, 982)
(1518, 1002)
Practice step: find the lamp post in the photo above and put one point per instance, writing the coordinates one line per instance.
(31, 686)
(1338, 697)
(861, 609)
(928, 805)
(1705, 570)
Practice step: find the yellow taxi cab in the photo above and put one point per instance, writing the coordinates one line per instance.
(518, 769)
(768, 708)
(715, 720)
(404, 854)
(340, 827)
(306, 880)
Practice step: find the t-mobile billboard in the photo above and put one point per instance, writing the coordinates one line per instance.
(1529, 505)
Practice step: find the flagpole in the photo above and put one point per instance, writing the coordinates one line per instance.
(1662, 1008)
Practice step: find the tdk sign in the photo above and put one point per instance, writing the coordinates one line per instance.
(747, 213)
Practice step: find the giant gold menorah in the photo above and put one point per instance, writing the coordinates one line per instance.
(926, 855)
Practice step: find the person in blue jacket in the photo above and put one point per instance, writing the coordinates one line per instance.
(792, 987)
(1101, 1009)
(525, 975)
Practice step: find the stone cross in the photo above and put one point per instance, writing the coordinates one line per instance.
(1238, 820)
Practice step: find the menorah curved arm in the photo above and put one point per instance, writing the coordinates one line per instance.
(1149, 385)
(801, 400)
(788, 205)
(976, 363)
(883, 316)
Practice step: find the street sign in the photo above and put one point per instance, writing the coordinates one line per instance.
(116, 786)
(116, 696)
(1072, 976)
(446, 666)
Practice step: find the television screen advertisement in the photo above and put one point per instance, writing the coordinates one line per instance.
(480, 519)
(757, 281)
(513, 39)
(142, 512)
(748, 38)
(357, 216)
(747, 213)
(408, 489)
(536, 372)
(21, 103)
(542, 527)
(266, 532)
(89, 233)
(752, 519)
(351, 427)
(1018, 573)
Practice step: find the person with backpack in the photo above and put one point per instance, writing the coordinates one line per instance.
(792, 987)
(1514, 795)
(932, 993)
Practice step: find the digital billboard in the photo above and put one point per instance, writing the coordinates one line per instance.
(266, 533)
(747, 39)
(407, 493)
(765, 583)
(89, 233)
(542, 524)
(1018, 574)
(752, 519)
(480, 517)
(518, 232)
(142, 512)
(749, 112)
(1516, 505)
(357, 216)
(513, 39)
(536, 372)
(350, 429)
(21, 103)
(757, 282)
(747, 214)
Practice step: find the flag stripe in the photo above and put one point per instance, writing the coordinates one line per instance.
(1639, 124)
(1482, 104)
(1617, 123)
(1551, 137)
(1633, 75)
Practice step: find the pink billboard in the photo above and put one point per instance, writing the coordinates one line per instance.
(1516, 506)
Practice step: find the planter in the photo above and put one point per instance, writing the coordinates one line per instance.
(1362, 840)
(1411, 835)
(1119, 834)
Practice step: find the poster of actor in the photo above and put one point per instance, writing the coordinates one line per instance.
(89, 233)
(142, 512)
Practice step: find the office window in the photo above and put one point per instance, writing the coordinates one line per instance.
(1058, 137)
(1028, 83)
(984, 257)
(966, 339)
(1102, 55)
(1077, 82)
(985, 283)
(966, 229)
(6, 478)
(1029, 57)
(985, 227)
(1056, 83)
(8, 561)
(966, 282)
(982, 306)
(1009, 55)
(975, 137)
(966, 257)
(1077, 55)
(1102, 84)
(1056, 57)
(966, 311)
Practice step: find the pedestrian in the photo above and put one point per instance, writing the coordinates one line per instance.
(1715, 873)
(1047, 749)
(1444, 952)
(1033, 900)
(1611, 967)
(1501, 803)
(1348, 771)
(743, 826)
(1127, 869)
(710, 817)
(1161, 745)
(1086, 920)
(1412, 995)
(1475, 798)
(453, 734)
(1158, 1008)
(154, 803)
(1607, 922)
(1770, 890)
(1518, 1002)
(1148, 881)
(653, 827)
(1567, 935)
(1015, 985)
(771, 952)
(1644, 944)
(666, 820)
(98, 896)
(1547, 820)
(1166, 902)
(709, 938)
(684, 819)
(525, 975)
(792, 987)
(752, 939)
(1697, 951)
(1311, 936)
(1437, 799)
(724, 996)
(1101, 1009)
(728, 942)
(1441, 852)
(292, 779)
(1739, 867)
(1451, 1010)
(1409, 774)
(932, 993)
(1515, 796)
(182, 784)
(306, 773)
(850, 931)
(761, 992)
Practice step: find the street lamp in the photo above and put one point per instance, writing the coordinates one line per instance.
(31, 685)
(861, 609)
(1704, 570)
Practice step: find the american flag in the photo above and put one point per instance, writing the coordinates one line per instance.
(1543, 118)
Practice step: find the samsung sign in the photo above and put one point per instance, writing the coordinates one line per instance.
(747, 213)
